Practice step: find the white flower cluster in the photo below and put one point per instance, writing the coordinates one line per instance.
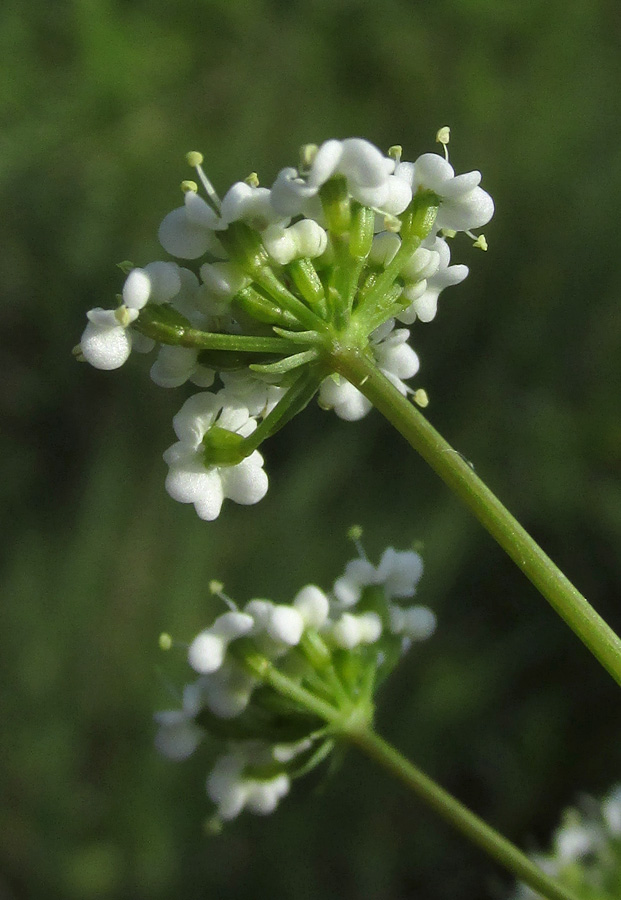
(271, 257)
(586, 850)
(361, 615)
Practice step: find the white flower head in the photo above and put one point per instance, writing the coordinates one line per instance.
(190, 479)
(464, 204)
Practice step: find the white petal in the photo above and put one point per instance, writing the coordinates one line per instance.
(325, 163)
(399, 572)
(181, 237)
(206, 652)
(209, 501)
(165, 281)
(285, 624)
(346, 632)
(199, 212)
(231, 625)
(313, 606)
(137, 289)
(196, 416)
(105, 348)
(245, 483)
(364, 163)
(431, 171)
(173, 366)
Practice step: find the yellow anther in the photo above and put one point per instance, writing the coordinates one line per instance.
(354, 532)
(187, 186)
(216, 587)
(448, 232)
(392, 223)
(77, 353)
(165, 641)
(395, 152)
(420, 398)
(126, 266)
(480, 243)
(307, 155)
(444, 134)
(194, 158)
(252, 179)
(123, 316)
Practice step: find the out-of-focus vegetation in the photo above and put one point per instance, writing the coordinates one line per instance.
(99, 102)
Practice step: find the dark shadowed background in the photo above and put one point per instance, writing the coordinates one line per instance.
(100, 100)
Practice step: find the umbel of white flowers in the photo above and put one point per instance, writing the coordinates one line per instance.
(586, 850)
(336, 253)
(338, 645)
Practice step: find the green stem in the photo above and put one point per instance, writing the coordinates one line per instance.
(458, 815)
(180, 336)
(568, 602)
(350, 724)
(298, 395)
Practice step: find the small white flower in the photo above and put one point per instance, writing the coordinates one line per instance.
(157, 282)
(464, 204)
(223, 279)
(369, 175)
(178, 735)
(227, 691)
(394, 357)
(176, 365)
(425, 305)
(313, 605)
(252, 391)
(190, 479)
(303, 239)
(576, 840)
(350, 631)
(285, 624)
(414, 622)
(107, 342)
(190, 230)
(398, 572)
(233, 791)
(252, 205)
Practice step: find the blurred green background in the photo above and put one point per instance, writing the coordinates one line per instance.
(99, 100)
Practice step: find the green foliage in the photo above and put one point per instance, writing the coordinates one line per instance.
(100, 100)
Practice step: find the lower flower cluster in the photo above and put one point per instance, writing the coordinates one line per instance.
(586, 851)
(266, 672)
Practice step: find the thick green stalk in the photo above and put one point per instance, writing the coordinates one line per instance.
(351, 724)
(568, 602)
(458, 815)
